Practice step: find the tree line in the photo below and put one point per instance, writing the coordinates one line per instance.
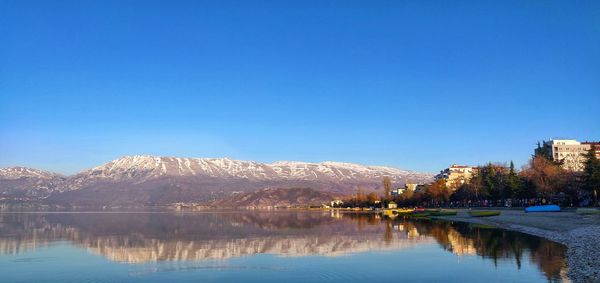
(541, 181)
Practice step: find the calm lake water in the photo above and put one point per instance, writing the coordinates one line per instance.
(252, 246)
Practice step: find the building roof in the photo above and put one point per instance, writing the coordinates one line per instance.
(459, 166)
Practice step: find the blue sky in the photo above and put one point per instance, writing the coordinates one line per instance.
(412, 84)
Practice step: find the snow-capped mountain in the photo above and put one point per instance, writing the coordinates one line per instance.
(28, 183)
(143, 168)
(160, 180)
(11, 173)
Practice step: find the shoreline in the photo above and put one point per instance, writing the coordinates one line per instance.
(579, 233)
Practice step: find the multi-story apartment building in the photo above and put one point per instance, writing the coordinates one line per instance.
(570, 153)
(456, 175)
(596, 146)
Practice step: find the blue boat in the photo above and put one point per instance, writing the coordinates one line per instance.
(543, 208)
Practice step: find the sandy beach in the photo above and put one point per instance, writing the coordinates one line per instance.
(580, 233)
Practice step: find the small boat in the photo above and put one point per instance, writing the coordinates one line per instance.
(443, 213)
(483, 213)
(481, 226)
(543, 208)
(420, 214)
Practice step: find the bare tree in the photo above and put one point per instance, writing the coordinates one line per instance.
(545, 175)
(372, 197)
(360, 195)
(387, 187)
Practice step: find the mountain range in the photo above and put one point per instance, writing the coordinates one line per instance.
(152, 180)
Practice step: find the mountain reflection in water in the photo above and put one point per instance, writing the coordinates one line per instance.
(154, 237)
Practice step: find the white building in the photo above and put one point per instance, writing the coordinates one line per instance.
(570, 152)
(409, 186)
(456, 175)
(398, 191)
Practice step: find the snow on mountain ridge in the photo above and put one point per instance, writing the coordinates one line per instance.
(20, 172)
(28, 183)
(143, 167)
(144, 179)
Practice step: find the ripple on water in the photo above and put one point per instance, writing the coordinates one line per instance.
(160, 269)
(33, 259)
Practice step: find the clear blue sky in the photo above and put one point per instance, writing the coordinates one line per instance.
(412, 84)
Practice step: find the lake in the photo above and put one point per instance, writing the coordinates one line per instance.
(265, 246)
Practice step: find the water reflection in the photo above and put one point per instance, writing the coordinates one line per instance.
(154, 237)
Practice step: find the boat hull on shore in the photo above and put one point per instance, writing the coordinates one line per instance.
(443, 213)
(483, 213)
(543, 208)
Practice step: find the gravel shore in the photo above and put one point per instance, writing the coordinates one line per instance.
(580, 234)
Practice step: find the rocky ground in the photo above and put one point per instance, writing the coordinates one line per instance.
(581, 235)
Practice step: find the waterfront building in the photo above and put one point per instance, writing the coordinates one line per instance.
(596, 146)
(392, 205)
(398, 191)
(410, 186)
(570, 153)
(456, 175)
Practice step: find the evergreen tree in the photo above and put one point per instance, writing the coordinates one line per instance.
(491, 182)
(591, 172)
(513, 183)
(543, 150)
